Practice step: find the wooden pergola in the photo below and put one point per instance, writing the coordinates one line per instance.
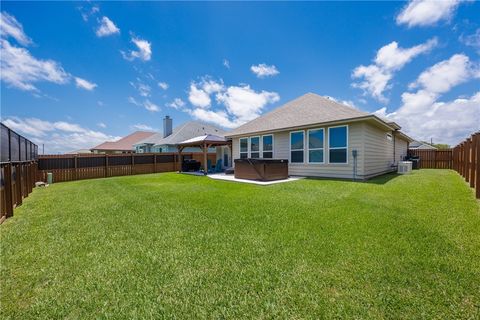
(204, 143)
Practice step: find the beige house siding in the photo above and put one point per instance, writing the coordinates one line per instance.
(378, 151)
(281, 150)
(401, 149)
(375, 152)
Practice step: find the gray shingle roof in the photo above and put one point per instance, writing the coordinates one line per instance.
(186, 131)
(305, 110)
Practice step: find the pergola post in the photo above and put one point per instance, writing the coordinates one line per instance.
(205, 149)
(180, 148)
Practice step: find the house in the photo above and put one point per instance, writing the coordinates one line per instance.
(419, 145)
(79, 151)
(123, 145)
(322, 138)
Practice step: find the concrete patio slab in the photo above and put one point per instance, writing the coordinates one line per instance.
(231, 177)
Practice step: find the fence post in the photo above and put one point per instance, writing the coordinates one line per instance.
(154, 163)
(477, 165)
(75, 163)
(18, 183)
(7, 172)
(133, 165)
(106, 165)
(467, 159)
(473, 148)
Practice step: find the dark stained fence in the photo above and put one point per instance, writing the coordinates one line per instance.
(466, 161)
(433, 159)
(17, 170)
(77, 167)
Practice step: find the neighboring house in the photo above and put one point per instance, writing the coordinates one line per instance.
(319, 137)
(80, 151)
(419, 145)
(123, 145)
(167, 140)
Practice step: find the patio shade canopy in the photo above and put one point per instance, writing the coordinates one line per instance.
(204, 142)
(209, 139)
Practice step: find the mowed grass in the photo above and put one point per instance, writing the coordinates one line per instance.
(187, 247)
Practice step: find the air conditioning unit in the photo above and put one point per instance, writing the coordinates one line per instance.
(404, 167)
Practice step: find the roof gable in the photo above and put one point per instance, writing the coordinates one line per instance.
(307, 109)
(125, 143)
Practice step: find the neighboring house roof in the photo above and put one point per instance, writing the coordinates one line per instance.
(186, 131)
(421, 145)
(126, 143)
(79, 151)
(305, 110)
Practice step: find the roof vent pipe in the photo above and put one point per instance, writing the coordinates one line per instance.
(167, 126)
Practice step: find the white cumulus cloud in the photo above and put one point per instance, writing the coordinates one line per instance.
(427, 12)
(106, 28)
(244, 103)
(143, 50)
(85, 84)
(10, 27)
(374, 79)
(59, 136)
(177, 103)
(142, 127)
(263, 70)
(423, 116)
(234, 105)
(163, 85)
(20, 69)
(150, 106)
(199, 93)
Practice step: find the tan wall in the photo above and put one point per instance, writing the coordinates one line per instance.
(378, 151)
(281, 150)
(401, 149)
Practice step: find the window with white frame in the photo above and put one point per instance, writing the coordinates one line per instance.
(255, 147)
(338, 144)
(267, 146)
(296, 146)
(315, 145)
(243, 148)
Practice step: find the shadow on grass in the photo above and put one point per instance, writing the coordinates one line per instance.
(383, 179)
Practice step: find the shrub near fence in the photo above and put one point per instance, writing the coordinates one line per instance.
(17, 170)
(78, 167)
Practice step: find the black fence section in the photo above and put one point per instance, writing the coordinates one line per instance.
(56, 163)
(17, 170)
(165, 158)
(16, 148)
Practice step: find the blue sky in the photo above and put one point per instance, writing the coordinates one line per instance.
(77, 73)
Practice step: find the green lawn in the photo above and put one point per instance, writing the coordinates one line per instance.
(186, 247)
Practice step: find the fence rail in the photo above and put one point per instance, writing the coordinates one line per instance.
(79, 167)
(433, 159)
(17, 170)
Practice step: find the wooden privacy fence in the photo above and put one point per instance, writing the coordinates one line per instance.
(17, 170)
(78, 167)
(17, 181)
(433, 159)
(466, 161)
